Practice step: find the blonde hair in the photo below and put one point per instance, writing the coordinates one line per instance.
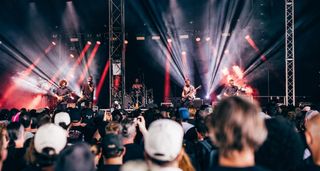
(185, 162)
(236, 125)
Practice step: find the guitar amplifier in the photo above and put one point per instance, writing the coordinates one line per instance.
(197, 102)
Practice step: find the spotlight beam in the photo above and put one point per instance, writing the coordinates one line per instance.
(90, 60)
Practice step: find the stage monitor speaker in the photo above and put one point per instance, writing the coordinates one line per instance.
(197, 103)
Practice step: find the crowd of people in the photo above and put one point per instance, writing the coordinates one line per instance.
(234, 135)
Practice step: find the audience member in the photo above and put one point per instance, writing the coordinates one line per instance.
(49, 141)
(75, 158)
(313, 139)
(237, 131)
(16, 151)
(113, 151)
(283, 143)
(133, 151)
(163, 145)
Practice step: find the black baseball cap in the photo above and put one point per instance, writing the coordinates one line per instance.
(111, 145)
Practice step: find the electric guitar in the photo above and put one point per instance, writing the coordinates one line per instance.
(63, 98)
(190, 94)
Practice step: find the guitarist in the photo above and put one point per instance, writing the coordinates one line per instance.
(61, 93)
(87, 93)
(188, 93)
(231, 89)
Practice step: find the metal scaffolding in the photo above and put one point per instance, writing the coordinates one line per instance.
(116, 51)
(290, 69)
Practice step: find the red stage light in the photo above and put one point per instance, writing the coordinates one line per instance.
(103, 77)
(54, 43)
(88, 42)
(183, 52)
(74, 66)
(208, 39)
(98, 42)
(198, 39)
(126, 42)
(71, 55)
(169, 40)
(86, 68)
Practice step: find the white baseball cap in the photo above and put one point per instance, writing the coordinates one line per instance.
(50, 135)
(62, 117)
(164, 140)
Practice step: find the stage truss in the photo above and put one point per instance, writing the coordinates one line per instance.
(116, 51)
(290, 69)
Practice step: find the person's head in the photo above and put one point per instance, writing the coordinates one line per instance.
(25, 120)
(235, 126)
(75, 115)
(128, 131)
(313, 137)
(77, 157)
(49, 141)
(90, 79)
(16, 134)
(231, 82)
(114, 128)
(137, 81)
(163, 143)
(63, 83)
(112, 149)
(283, 148)
(187, 82)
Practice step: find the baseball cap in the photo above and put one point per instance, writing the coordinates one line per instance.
(50, 136)
(184, 113)
(75, 115)
(111, 144)
(62, 117)
(164, 140)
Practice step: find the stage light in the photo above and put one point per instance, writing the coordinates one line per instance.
(226, 34)
(247, 37)
(126, 42)
(207, 96)
(207, 39)
(54, 43)
(198, 39)
(155, 37)
(140, 38)
(98, 42)
(71, 55)
(74, 39)
(169, 40)
(88, 42)
(183, 52)
(184, 36)
(0, 42)
(226, 51)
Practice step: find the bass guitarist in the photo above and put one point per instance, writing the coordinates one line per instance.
(62, 93)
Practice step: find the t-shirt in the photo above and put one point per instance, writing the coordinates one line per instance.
(109, 168)
(231, 90)
(75, 134)
(133, 152)
(221, 168)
